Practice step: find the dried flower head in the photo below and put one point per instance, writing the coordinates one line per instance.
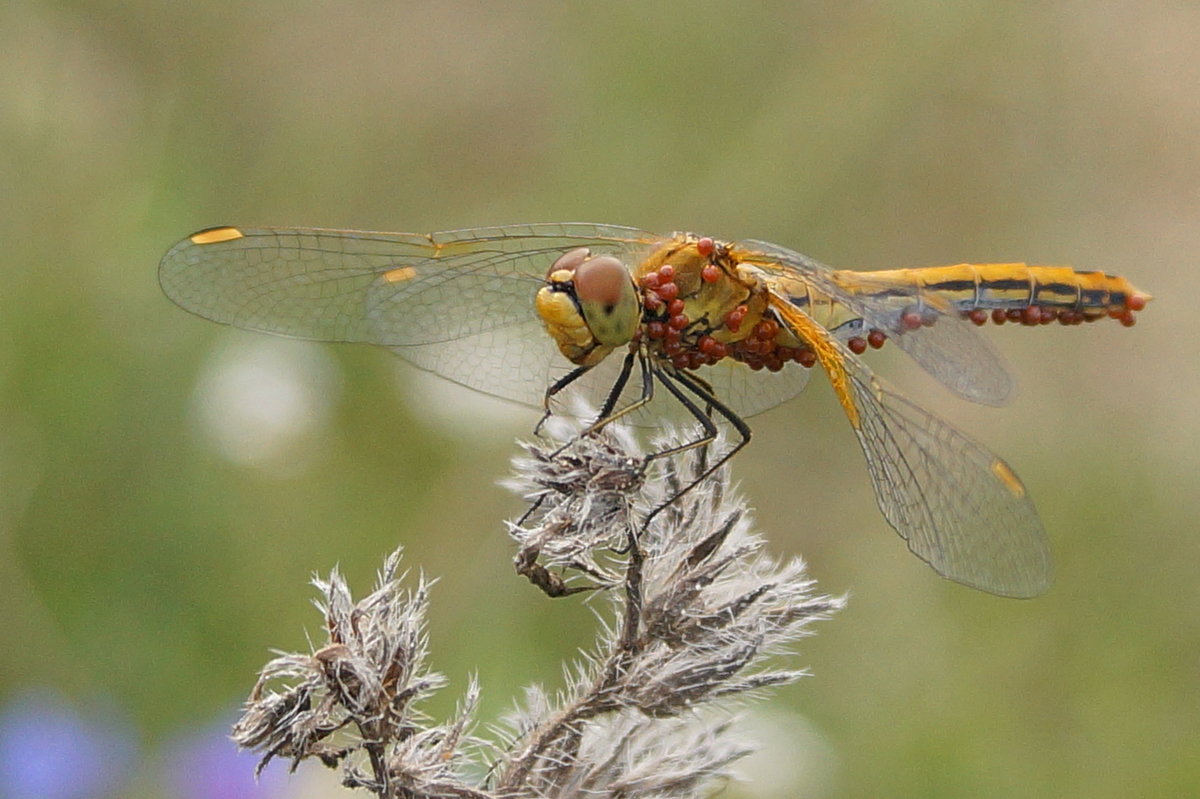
(357, 694)
(697, 612)
(697, 615)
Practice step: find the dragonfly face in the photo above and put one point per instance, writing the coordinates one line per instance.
(589, 306)
(522, 311)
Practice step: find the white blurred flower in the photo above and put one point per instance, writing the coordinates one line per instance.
(260, 402)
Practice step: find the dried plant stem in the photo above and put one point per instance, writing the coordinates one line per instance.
(563, 725)
(631, 626)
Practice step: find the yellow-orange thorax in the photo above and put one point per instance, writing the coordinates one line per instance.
(710, 285)
(702, 304)
(697, 303)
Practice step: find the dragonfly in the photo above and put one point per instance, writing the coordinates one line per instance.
(727, 328)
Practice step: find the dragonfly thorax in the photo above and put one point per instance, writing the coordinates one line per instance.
(702, 306)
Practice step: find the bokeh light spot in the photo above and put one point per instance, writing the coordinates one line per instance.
(261, 401)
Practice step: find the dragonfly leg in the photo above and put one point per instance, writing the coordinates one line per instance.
(704, 417)
(558, 385)
(607, 414)
(614, 394)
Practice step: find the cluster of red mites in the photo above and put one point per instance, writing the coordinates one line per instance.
(759, 350)
(1045, 314)
(660, 297)
(875, 338)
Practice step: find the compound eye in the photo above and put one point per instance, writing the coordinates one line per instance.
(607, 299)
(603, 281)
(569, 261)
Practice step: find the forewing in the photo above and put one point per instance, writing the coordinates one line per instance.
(950, 350)
(517, 361)
(458, 303)
(384, 288)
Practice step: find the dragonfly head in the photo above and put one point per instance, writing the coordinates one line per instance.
(589, 305)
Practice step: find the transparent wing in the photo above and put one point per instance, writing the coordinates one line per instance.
(488, 361)
(960, 508)
(744, 391)
(950, 350)
(458, 303)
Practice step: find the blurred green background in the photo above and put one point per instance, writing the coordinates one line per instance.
(167, 486)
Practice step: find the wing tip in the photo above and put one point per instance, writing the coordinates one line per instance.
(1027, 581)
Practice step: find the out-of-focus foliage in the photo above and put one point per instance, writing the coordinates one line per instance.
(166, 486)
